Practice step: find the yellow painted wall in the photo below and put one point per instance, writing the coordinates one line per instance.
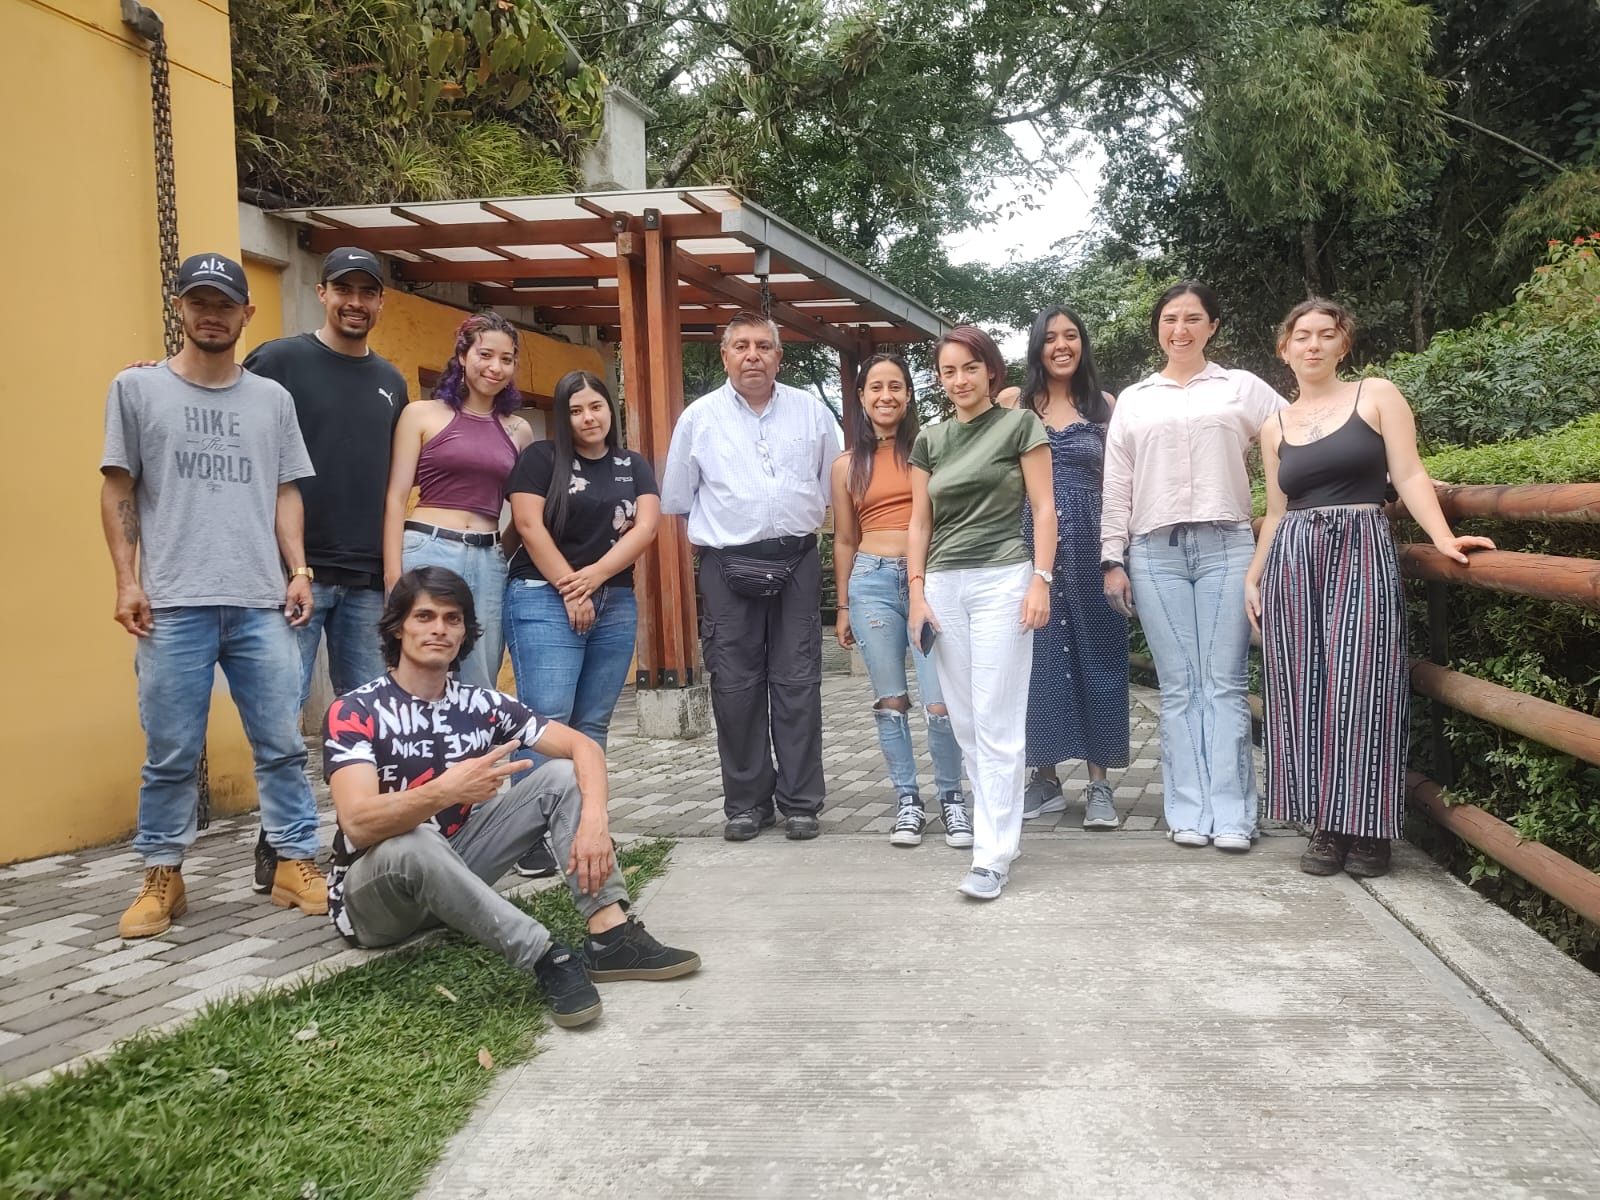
(78, 208)
(266, 293)
(416, 334)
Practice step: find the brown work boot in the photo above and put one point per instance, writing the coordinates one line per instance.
(1325, 853)
(298, 882)
(1368, 858)
(159, 900)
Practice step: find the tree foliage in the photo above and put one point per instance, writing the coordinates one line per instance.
(386, 100)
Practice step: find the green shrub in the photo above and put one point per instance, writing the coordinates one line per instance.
(1525, 370)
(1536, 647)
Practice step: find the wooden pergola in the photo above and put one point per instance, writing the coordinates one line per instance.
(650, 270)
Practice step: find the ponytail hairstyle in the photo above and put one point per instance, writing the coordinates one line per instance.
(864, 437)
(557, 499)
(1087, 395)
(452, 385)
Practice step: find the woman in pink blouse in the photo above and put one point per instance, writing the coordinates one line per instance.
(1175, 543)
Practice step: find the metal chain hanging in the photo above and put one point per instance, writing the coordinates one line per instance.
(148, 25)
(761, 268)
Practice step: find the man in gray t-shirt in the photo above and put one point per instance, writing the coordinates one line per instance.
(199, 467)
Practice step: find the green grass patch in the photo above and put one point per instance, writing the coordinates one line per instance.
(233, 1105)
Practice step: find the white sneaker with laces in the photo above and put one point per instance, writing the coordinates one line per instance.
(1189, 837)
(1237, 842)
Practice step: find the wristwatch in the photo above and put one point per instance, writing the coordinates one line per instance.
(1044, 575)
(1110, 564)
(306, 571)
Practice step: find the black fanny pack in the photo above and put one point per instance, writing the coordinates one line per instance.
(748, 571)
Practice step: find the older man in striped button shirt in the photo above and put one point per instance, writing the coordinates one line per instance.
(749, 467)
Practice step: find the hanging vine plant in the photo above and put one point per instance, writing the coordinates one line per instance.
(371, 100)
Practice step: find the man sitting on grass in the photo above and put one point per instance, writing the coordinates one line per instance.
(430, 815)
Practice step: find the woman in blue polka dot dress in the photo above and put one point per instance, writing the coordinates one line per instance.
(1078, 697)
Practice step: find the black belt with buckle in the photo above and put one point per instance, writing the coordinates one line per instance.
(465, 537)
(778, 547)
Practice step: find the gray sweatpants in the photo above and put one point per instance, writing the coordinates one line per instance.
(421, 879)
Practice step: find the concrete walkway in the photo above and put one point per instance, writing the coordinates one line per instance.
(69, 986)
(1131, 1019)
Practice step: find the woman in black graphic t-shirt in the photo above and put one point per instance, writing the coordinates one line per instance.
(585, 509)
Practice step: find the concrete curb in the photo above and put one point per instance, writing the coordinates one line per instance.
(1546, 996)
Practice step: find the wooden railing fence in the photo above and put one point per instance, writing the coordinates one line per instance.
(1551, 578)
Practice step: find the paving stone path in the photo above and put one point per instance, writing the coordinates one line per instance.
(69, 986)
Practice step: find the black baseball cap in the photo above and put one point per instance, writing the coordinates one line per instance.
(213, 270)
(346, 259)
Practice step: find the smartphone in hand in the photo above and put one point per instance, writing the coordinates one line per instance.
(926, 637)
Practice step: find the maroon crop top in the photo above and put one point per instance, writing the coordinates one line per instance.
(465, 466)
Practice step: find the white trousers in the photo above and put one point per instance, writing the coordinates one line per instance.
(985, 659)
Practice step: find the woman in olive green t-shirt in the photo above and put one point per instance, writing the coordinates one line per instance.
(972, 583)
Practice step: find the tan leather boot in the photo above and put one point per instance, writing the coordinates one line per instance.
(297, 882)
(160, 900)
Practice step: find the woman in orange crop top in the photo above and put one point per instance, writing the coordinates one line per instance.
(871, 513)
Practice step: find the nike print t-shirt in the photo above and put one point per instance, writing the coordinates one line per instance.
(411, 741)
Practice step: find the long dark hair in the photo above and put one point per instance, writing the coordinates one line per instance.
(556, 500)
(1087, 395)
(442, 584)
(864, 438)
(452, 385)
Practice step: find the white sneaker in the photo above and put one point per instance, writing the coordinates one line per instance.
(982, 884)
(1237, 842)
(908, 822)
(1190, 837)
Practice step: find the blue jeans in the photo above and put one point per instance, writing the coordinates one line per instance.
(1188, 586)
(177, 666)
(349, 615)
(484, 569)
(879, 606)
(573, 678)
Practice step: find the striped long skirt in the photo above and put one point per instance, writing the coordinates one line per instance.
(1338, 698)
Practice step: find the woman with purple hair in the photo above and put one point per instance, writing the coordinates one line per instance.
(457, 450)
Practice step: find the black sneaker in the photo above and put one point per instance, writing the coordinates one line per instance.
(633, 954)
(266, 864)
(741, 827)
(801, 827)
(572, 998)
(537, 863)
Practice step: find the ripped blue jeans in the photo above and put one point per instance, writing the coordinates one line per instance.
(879, 606)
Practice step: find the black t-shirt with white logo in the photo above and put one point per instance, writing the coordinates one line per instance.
(602, 505)
(348, 408)
(411, 741)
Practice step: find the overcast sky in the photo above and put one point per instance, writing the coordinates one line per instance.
(1064, 209)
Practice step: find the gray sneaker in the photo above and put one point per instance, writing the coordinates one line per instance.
(1099, 811)
(1041, 797)
(982, 884)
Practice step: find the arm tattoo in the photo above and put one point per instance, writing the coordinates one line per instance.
(129, 512)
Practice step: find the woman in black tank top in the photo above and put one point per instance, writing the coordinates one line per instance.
(1324, 591)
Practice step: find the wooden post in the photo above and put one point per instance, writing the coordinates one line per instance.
(636, 382)
(675, 611)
